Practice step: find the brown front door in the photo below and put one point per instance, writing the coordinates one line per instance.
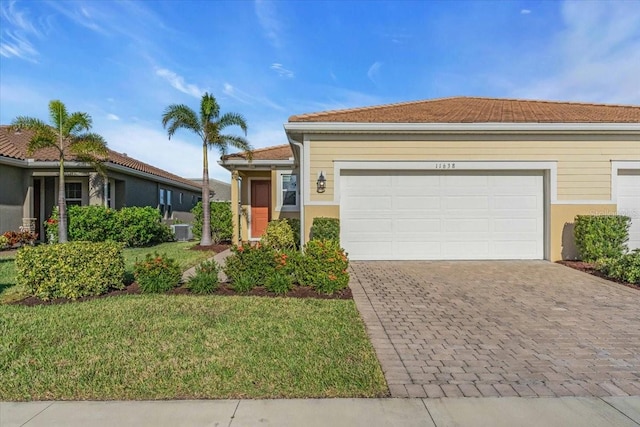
(260, 207)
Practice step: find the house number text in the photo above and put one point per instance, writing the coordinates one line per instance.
(445, 165)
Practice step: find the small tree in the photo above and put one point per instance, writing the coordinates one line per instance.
(69, 135)
(208, 126)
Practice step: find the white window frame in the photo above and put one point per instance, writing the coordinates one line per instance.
(75, 199)
(279, 197)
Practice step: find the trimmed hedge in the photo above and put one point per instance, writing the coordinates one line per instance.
(70, 270)
(278, 235)
(134, 226)
(323, 266)
(626, 268)
(601, 236)
(221, 221)
(325, 229)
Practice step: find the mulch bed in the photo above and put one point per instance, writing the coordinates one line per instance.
(224, 289)
(589, 268)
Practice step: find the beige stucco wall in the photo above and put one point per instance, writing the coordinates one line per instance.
(584, 166)
(562, 243)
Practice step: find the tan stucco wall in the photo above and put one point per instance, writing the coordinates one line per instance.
(562, 243)
(584, 165)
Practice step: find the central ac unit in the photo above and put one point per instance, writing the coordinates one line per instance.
(182, 232)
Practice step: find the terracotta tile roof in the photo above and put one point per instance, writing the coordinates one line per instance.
(480, 110)
(278, 152)
(14, 145)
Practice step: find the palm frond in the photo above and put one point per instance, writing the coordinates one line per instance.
(89, 144)
(209, 108)
(238, 142)
(43, 135)
(179, 116)
(76, 123)
(233, 119)
(58, 113)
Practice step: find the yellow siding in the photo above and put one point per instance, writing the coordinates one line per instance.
(584, 168)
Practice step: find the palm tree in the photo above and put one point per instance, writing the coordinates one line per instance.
(208, 126)
(69, 135)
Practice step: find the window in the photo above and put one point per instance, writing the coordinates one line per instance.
(288, 194)
(169, 209)
(161, 202)
(180, 198)
(73, 193)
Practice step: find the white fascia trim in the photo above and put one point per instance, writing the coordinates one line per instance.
(616, 166)
(255, 163)
(13, 162)
(459, 127)
(550, 166)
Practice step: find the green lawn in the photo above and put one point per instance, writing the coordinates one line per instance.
(186, 347)
(186, 258)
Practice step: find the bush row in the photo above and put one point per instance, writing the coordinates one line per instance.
(602, 239)
(134, 226)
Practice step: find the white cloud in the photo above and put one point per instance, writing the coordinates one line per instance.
(268, 19)
(112, 116)
(246, 98)
(178, 83)
(525, 12)
(598, 55)
(17, 30)
(373, 71)
(282, 72)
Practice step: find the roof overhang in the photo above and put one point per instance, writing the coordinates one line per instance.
(44, 164)
(242, 164)
(453, 128)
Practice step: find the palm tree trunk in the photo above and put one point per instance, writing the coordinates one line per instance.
(205, 240)
(62, 206)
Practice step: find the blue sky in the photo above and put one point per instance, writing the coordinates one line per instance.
(123, 62)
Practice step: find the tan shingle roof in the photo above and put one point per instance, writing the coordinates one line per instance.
(278, 152)
(479, 110)
(14, 145)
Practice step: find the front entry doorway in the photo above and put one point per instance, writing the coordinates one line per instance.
(260, 207)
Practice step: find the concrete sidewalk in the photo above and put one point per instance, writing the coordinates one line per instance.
(493, 411)
(219, 258)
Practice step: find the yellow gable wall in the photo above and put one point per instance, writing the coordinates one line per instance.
(584, 167)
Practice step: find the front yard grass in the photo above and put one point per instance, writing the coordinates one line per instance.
(10, 292)
(185, 347)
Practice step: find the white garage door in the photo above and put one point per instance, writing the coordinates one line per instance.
(629, 203)
(392, 215)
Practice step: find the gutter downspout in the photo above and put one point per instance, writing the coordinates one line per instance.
(301, 187)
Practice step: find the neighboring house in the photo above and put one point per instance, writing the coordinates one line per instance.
(455, 178)
(29, 184)
(220, 191)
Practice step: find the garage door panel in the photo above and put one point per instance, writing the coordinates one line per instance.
(443, 215)
(629, 203)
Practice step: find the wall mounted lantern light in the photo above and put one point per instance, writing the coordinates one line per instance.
(321, 183)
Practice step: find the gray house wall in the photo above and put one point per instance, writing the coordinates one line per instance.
(12, 197)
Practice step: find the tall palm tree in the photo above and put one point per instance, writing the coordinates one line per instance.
(69, 135)
(208, 126)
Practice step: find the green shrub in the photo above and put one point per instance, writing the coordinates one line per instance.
(221, 221)
(70, 270)
(157, 273)
(92, 223)
(243, 283)
(323, 266)
(4, 241)
(601, 236)
(294, 223)
(141, 226)
(51, 226)
(625, 268)
(279, 283)
(205, 280)
(278, 236)
(253, 262)
(325, 229)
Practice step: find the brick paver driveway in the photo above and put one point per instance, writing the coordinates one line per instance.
(505, 328)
